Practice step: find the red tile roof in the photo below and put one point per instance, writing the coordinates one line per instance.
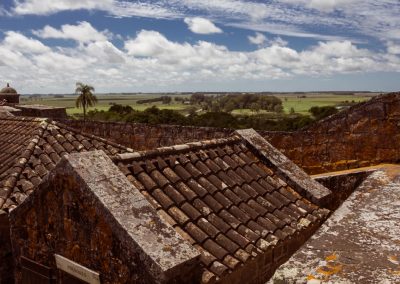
(30, 148)
(222, 198)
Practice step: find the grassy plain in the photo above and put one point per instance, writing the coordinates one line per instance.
(301, 103)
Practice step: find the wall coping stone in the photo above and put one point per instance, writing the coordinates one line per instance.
(293, 174)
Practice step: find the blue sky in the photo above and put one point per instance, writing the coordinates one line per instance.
(190, 45)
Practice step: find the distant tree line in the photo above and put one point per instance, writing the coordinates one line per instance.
(230, 102)
(153, 115)
(162, 99)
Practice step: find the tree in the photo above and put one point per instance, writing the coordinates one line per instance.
(322, 112)
(166, 100)
(86, 97)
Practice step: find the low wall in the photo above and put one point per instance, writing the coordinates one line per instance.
(41, 111)
(140, 136)
(366, 134)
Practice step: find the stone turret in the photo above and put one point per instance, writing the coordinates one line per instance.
(9, 96)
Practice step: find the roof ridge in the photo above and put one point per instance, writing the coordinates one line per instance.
(175, 149)
(20, 162)
(91, 136)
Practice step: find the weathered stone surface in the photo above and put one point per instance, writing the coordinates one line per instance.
(359, 243)
(86, 210)
(294, 175)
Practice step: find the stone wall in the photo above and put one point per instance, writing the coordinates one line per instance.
(140, 136)
(342, 184)
(366, 134)
(11, 99)
(87, 211)
(6, 257)
(41, 111)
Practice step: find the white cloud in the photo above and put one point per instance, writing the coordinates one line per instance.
(328, 5)
(113, 7)
(46, 7)
(257, 39)
(82, 32)
(150, 61)
(321, 5)
(142, 9)
(18, 42)
(393, 48)
(299, 18)
(202, 26)
(260, 40)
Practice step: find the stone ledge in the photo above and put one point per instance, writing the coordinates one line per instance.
(293, 174)
(358, 243)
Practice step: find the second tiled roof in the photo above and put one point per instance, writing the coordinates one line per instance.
(222, 198)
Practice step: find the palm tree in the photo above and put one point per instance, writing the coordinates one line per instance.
(86, 97)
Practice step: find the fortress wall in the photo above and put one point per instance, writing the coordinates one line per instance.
(140, 136)
(365, 134)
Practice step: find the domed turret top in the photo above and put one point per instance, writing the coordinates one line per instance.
(8, 90)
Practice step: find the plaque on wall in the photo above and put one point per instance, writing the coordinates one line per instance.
(77, 270)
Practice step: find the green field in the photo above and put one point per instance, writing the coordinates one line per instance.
(301, 103)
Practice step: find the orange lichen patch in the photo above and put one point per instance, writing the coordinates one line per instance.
(329, 269)
(311, 277)
(331, 257)
(394, 272)
(393, 259)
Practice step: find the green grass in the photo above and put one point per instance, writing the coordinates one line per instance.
(141, 107)
(300, 105)
(105, 101)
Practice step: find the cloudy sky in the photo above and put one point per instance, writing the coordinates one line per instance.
(200, 45)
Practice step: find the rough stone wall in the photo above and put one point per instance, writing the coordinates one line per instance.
(6, 257)
(366, 134)
(342, 185)
(140, 136)
(11, 99)
(33, 111)
(77, 214)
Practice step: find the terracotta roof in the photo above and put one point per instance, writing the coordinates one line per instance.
(223, 198)
(30, 148)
